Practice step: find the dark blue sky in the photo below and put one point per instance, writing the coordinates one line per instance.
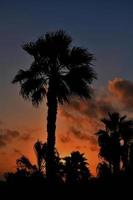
(105, 27)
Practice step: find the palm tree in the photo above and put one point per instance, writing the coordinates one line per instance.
(103, 170)
(58, 72)
(76, 168)
(112, 124)
(40, 151)
(114, 142)
(24, 165)
(105, 145)
(126, 131)
(130, 164)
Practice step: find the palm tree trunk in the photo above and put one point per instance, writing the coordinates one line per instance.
(116, 168)
(126, 156)
(116, 164)
(110, 166)
(51, 127)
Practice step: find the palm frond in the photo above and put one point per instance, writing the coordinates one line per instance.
(51, 46)
(21, 76)
(38, 151)
(37, 96)
(80, 56)
(31, 48)
(63, 91)
(78, 81)
(23, 161)
(30, 86)
(59, 38)
(101, 132)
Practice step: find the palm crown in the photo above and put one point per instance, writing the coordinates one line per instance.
(55, 60)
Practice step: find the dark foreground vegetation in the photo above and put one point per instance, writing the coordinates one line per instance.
(120, 186)
(71, 173)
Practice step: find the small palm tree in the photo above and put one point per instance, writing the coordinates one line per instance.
(24, 164)
(105, 145)
(40, 151)
(58, 72)
(103, 170)
(76, 168)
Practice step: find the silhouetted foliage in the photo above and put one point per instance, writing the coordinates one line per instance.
(40, 151)
(114, 141)
(72, 174)
(24, 164)
(58, 72)
(76, 168)
(103, 170)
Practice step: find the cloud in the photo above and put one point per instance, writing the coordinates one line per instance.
(11, 133)
(94, 148)
(25, 136)
(17, 151)
(1, 122)
(122, 91)
(69, 115)
(116, 96)
(3, 153)
(2, 142)
(79, 134)
(82, 118)
(65, 138)
(94, 108)
(7, 135)
(82, 136)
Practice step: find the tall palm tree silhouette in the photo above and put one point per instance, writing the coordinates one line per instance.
(112, 124)
(58, 72)
(121, 129)
(115, 140)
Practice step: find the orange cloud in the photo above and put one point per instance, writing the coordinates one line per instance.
(1, 122)
(122, 91)
(7, 135)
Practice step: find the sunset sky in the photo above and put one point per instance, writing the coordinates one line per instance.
(105, 27)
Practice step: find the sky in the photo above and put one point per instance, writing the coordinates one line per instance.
(103, 27)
